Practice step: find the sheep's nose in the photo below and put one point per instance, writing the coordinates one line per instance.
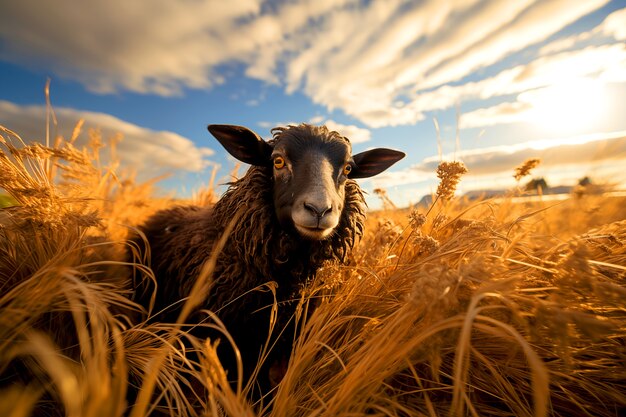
(317, 211)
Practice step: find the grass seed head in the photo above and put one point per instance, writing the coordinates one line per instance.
(416, 219)
(426, 245)
(524, 169)
(450, 174)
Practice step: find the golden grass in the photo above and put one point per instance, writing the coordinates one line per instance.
(486, 308)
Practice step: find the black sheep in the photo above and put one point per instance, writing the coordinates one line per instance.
(296, 208)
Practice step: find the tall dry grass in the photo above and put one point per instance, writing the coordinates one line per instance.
(484, 308)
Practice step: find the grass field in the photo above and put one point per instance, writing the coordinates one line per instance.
(461, 308)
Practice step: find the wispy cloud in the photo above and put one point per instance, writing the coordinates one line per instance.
(354, 133)
(605, 63)
(147, 151)
(396, 53)
(384, 63)
(613, 26)
(571, 105)
(125, 45)
(561, 67)
(577, 154)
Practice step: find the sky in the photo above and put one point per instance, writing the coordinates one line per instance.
(489, 83)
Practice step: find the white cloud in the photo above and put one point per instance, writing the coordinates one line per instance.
(354, 133)
(412, 175)
(573, 105)
(577, 154)
(601, 62)
(266, 125)
(477, 40)
(606, 63)
(148, 152)
(158, 47)
(377, 63)
(507, 112)
(615, 25)
(383, 63)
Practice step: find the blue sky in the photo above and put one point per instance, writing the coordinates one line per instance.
(525, 78)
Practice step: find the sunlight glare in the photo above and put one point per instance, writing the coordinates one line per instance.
(569, 107)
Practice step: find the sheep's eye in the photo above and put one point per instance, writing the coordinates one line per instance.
(279, 162)
(347, 169)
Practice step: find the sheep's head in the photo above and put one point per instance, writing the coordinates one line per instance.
(310, 168)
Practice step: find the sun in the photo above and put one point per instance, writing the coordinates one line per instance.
(569, 107)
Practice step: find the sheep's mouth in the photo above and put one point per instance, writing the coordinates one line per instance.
(314, 233)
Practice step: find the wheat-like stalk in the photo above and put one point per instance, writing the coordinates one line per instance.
(449, 174)
(489, 308)
(524, 169)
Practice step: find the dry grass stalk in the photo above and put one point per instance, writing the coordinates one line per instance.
(449, 174)
(384, 197)
(490, 309)
(524, 169)
(65, 292)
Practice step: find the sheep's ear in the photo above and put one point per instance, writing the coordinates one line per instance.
(242, 143)
(374, 161)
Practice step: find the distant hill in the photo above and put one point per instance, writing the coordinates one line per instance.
(494, 193)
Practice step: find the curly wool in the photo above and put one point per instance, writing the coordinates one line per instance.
(258, 249)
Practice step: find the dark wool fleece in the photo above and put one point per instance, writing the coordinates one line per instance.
(258, 250)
